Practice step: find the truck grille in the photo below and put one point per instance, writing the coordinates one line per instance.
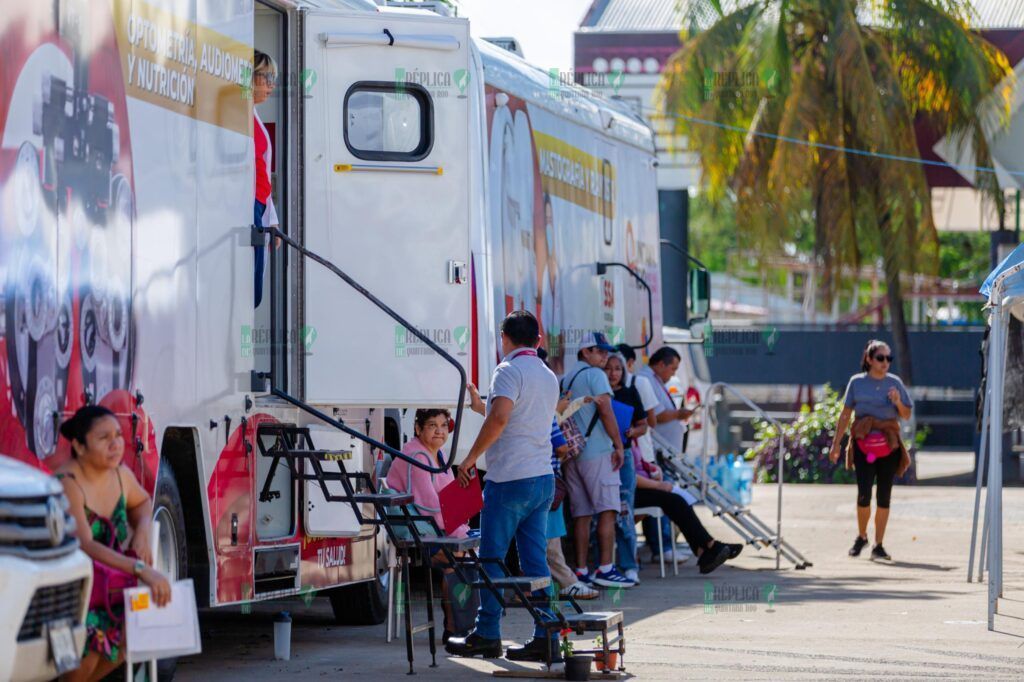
(36, 527)
(50, 603)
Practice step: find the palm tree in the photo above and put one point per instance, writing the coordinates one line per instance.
(803, 111)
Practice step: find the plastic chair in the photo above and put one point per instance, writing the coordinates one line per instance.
(656, 513)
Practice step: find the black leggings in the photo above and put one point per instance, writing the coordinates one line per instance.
(884, 469)
(681, 514)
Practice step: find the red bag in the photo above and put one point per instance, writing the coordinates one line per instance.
(109, 583)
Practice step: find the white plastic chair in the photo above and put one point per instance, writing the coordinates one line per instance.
(656, 513)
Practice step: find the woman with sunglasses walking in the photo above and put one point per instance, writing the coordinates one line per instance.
(879, 400)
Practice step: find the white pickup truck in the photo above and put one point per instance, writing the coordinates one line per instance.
(45, 579)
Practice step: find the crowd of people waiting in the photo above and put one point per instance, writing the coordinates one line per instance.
(569, 446)
(551, 447)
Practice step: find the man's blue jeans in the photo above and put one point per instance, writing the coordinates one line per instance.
(514, 510)
(625, 525)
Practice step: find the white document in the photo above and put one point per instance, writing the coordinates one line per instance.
(153, 632)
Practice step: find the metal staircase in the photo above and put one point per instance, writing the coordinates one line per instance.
(741, 519)
(293, 445)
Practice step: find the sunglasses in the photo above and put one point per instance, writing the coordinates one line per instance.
(883, 358)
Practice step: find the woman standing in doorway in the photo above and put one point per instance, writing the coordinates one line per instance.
(879, 400)
(264, 79)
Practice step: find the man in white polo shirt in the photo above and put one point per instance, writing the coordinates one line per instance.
(669, 418)
(516, 434)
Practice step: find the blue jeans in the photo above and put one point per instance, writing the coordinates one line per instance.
(514, 510)
(650, 527)
(625, 525)
(260, 253)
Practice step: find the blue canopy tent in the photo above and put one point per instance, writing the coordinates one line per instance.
(1005, 290)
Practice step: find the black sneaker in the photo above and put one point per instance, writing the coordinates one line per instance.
(858, 544)
(713, 557)
(473, 645)
(734, 549)
(534, 650)
(878, 553)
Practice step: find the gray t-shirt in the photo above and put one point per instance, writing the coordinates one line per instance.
(523, 450)
(587, 380)
(671, 431)
(870, 397)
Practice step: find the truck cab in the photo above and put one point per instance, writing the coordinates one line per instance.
(45, 579)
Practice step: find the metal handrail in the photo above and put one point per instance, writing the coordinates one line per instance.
(603, 267)
(720, 387)
(373, 442)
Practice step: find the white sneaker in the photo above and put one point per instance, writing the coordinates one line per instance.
(579, 590)
(681, 557)
(632, 574)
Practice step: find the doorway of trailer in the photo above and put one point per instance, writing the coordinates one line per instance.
(273, 342)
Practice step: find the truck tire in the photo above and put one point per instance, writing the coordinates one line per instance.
(363, 603)
(167, 510)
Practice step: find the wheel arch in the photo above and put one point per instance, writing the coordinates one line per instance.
(180, 450)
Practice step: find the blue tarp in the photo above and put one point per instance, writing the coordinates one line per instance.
(1016, 256)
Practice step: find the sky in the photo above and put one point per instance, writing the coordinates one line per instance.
(544, 28)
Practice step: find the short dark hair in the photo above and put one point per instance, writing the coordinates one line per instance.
(664, 355)
(626, 351)
(78, 426)
(542, 354)
(422, 416)
(521, 328)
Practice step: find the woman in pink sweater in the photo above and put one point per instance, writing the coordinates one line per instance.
(432, 428)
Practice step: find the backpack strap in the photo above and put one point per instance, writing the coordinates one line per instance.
(593, 421)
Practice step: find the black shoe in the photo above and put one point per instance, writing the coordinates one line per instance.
(473, 645)
(534, 650)
(879, 553)
(858, 544)
(446, 635)
(713, 557)
(734, 550)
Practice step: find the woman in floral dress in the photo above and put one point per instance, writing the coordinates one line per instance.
(113, 516)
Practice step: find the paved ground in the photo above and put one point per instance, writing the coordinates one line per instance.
(843, 618)
(954, 467)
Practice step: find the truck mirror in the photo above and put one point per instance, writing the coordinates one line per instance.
(699, 295)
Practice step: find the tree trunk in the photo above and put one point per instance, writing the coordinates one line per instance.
(900, 337)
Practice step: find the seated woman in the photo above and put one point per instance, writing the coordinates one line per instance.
(113, 516)
(651, 491)
(431, 429)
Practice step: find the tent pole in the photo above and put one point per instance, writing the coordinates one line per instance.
(995, 468)
(982, 451)
(983, 554)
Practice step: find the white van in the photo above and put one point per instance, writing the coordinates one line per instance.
(45, 579)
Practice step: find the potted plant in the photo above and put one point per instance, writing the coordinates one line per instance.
(577, 666)
(599, 659)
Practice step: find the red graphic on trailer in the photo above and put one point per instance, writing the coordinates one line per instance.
(67, 219)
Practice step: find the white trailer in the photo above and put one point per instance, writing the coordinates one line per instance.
(426, 184)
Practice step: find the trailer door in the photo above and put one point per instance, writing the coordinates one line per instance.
(386, 197)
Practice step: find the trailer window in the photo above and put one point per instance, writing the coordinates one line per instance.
(388, 121)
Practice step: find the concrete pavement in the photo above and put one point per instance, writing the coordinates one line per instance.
(842, 618)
